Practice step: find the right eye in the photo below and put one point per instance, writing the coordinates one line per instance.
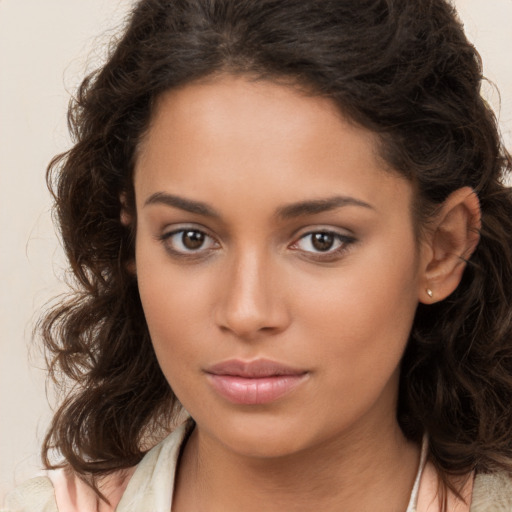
(188, 241)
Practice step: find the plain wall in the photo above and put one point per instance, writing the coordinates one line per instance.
(45, 46)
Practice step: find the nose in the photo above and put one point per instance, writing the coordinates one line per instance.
(252, 302)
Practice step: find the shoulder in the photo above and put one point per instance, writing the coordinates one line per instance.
(63, 490)
(140, 488)
(492, 493)
(152, 485)
(35, 495)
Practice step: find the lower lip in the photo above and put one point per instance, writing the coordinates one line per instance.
(254, 391)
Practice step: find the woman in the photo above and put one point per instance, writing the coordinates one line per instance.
(289, 227)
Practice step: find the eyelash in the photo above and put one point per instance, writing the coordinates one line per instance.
(166, 239)
(329, 255)
(344, 242)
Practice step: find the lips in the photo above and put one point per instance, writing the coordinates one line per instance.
(254, 382)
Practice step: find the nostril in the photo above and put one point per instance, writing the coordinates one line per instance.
(251, 323)
(249, 303)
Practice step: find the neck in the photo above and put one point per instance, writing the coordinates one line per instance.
(361, 471)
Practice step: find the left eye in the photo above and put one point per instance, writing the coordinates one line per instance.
(188, 241)
(322, 242)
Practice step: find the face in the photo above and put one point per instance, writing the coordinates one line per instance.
(277, 265)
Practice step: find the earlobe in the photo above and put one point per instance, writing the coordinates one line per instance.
(126, 219)
(452, 241)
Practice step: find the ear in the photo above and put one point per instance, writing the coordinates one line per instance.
(125, 217)
(450, 242)
(126, 220)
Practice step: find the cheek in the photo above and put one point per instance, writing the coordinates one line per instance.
(172, 309)
(172, 312)
(174, 303)
(363, 317)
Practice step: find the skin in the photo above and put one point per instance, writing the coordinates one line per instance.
(258, 288)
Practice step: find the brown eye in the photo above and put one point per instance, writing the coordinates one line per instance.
(323, 245)
(322, 241)
(183, 242)
(192, 240)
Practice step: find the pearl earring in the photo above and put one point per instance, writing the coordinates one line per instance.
(430, 293)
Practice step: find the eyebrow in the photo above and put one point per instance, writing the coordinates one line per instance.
(187, 205)
(293, 210)
(319, 206)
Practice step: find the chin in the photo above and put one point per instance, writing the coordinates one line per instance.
(261, 436)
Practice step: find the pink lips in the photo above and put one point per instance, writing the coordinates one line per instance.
(255, 382)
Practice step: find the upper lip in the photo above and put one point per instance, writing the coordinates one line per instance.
(258, 368)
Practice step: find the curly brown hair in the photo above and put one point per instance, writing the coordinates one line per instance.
(401, 68)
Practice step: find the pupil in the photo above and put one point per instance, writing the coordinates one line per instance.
(322, 241)
(192, 239)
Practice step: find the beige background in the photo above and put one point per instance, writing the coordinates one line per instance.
(45, 46)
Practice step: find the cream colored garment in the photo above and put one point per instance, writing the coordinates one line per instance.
(428, 498)
(150, 488)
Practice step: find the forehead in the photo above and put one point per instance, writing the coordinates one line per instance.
(236, 136)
